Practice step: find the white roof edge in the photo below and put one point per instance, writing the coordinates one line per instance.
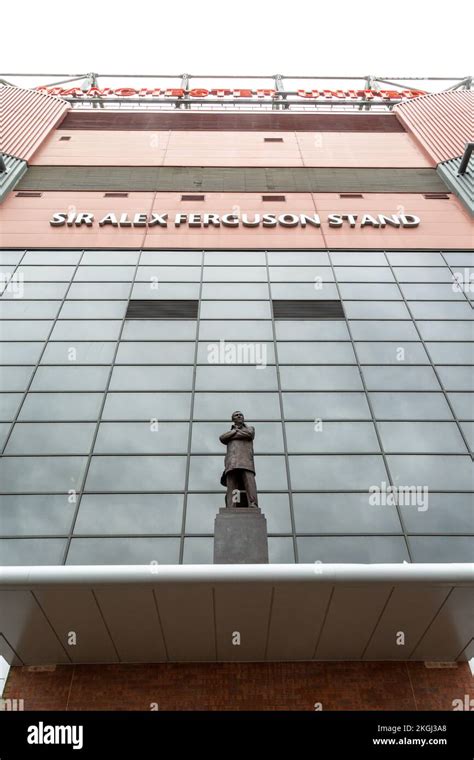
(155, 574)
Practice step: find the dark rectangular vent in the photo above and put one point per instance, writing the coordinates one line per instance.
(436, 196)
(350, 195)
(25, 194)
(193, 197)
(273, 139)
(152, 309)
(274, 198)
(64, 138)
(115, 195)
(311, 309)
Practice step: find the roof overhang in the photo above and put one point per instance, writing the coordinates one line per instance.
(158, 613)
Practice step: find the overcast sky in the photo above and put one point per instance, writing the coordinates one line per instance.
(401, 38)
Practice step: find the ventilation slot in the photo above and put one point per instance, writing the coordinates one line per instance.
(193, 197)
(24, 194)
(115, 195)
(64, 138)
(308, 309)
(436, 196)
(151, 309)
(273, 139)
(350, 195)
(279, 198)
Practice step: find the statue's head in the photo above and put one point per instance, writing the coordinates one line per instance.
(238, 418)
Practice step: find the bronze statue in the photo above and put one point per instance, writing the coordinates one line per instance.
(239, 467)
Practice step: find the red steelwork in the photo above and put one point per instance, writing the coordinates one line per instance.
(27, 118)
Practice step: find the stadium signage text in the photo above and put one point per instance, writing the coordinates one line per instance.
(111, 219)
(223, 92)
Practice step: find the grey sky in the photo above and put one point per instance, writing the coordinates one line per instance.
(401, 38)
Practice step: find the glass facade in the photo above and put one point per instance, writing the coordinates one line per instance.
(110, 426)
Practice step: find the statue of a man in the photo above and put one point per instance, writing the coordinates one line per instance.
(239, 467)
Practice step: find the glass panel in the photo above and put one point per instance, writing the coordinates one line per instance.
(301, 274)
(423, 274)
(235, 291)
(4, 430)
(93, 310)
(331, 437)
(45, 273)
(147, 406)
(78, 353)
(110, 257)
(201, 511)
(205, 439)
(376, 310)
(316, 353)
(235, 310)
(354, 549)
(51, 438)
(281, 551)
(154, 352)
(9, 403)
(356, 259)
(32, 258)
(109, 514)
(137, 473)
(443, 515)
(29, 309)
(234, 274)
(431, 292)
(43, 290)
(347, 473)
(421, 437)
(123, 551)
(20, 353)
(440, 310)
(468, 430)
(235, 330)
(400, 378)
(373, 291)
(304, 291)
(36, 515)
(321, 378)
(219, 406)
(244, 378)
(363, 274)
(443, 331)
(410, 406)
(151, 378)
(343, 513)
(32, 551)
(442, 548)
(86, 330)
(297, 258)
(10, 258)
(459, 259)
(384, 330)
(30, 474)
(25, 330)
(311, 330)
(316, 406)
(412, 259)
(438, 473)
(198, 551)
(165, 291)
(99, 290)
(244, 258)
(463, 405)
(158, 329)
(456, 378)
(70, 379)
(104, 274)
(391, 353)
(235, 352)
(61, 406)
(451, 353)
(142, 438)
(15, 378)
(168, 274)
(205, 473)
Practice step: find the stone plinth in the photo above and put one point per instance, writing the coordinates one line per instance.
(240, 536)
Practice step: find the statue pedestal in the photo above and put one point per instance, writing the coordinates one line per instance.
(240, 536)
